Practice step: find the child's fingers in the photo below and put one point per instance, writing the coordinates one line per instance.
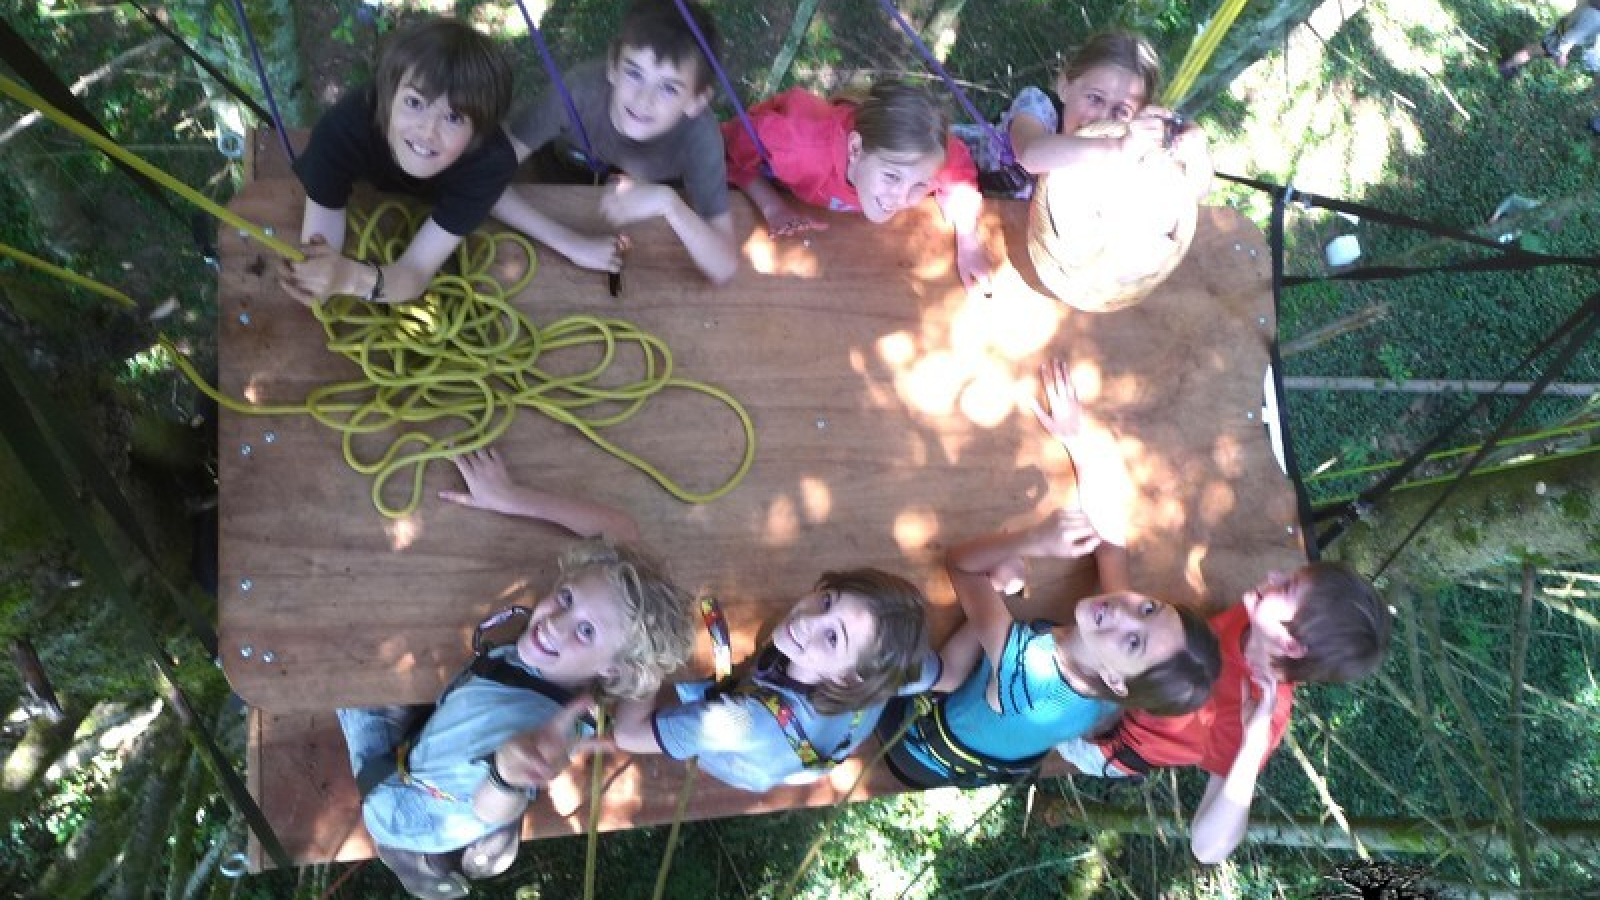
(593, 746)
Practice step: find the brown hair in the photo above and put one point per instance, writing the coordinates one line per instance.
(445, 58)
(1342, 623)
(894, 658)
(1127, 50)
(658, 26)
(1182, 682)
(657, 613)
(901, 119)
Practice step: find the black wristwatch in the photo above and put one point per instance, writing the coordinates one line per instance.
(499, 781)
(375, 295)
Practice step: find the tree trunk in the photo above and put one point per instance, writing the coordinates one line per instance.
(1544, 513)
(1259, 30)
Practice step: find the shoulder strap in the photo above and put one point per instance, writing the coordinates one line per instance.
(788, 720)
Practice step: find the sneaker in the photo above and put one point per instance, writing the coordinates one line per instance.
(427, 876)
(493, 853)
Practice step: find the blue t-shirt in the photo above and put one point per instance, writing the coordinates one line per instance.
(738, 739)
(1038, 709)
(448, 760)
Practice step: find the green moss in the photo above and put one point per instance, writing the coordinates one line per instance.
(1576, 505)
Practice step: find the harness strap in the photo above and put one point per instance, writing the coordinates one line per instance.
(783, 712)
(969, 767)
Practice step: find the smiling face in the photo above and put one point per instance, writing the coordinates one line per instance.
(888, 182)
(575, 633)
(1272, 605)
(825, 635)
(1120, 636)
(650, 96)
(426, 136)
(1105, 93)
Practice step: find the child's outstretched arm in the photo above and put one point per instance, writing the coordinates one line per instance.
(961, 204)
(1041, 150)
(489, 486)
(1223, 815)
(781, 218)
(710, 243)
(1105, 489)
(597, 252)
(326, 271)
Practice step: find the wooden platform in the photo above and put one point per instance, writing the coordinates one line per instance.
(885, 404)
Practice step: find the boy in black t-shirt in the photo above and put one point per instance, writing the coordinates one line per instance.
(646, 114)
(430, 127)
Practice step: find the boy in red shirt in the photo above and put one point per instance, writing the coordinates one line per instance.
(1323, 623)
(877, 157)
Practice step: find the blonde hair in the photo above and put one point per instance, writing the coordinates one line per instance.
(658, 614)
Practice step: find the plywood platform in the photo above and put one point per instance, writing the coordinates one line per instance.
(885, 405)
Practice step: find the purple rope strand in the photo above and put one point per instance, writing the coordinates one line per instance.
(722, 76)
(1007, 156)
(261, 72)
(595, 165)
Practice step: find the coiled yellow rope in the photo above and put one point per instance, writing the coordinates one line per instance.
(463, 353)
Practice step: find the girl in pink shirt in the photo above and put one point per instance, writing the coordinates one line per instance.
(877, 156)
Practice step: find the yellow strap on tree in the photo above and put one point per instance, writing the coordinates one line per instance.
(23, 95)
(1200, 53)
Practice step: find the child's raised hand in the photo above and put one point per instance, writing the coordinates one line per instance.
(1060, 414)
(489, 484)
(534, 758)
(1255, 713)
(1065, 534)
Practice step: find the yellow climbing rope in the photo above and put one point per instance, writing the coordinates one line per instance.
(1200, 53)
(23, 95)
(67, 275)
(461, 360)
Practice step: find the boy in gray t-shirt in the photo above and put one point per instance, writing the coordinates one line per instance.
(646, 112)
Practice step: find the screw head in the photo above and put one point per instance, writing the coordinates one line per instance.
(1288, 529)
(245, 450)
(244, 318)
(822, 423)
(246, 651)
(270, 437)
(244, 235)
(1261, 320)
(1250, 416)
(269, 657)
(246, 584)
(268, 230)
